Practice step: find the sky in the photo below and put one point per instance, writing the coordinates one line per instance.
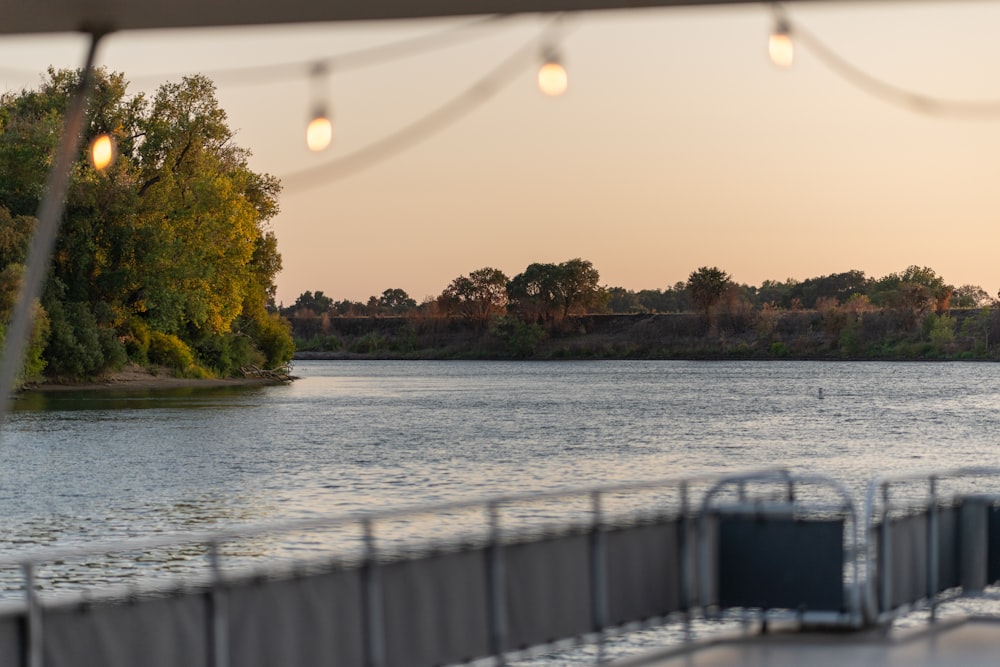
(678, 145)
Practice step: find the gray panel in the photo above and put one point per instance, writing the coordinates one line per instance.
(548, 590)
(643, 572)
(304, 621)
(910, 557)
(949, 562)
(907, 560)
(436, 609)
(154, 632)
(781, 563)
(11, 643)
(993, 545)
(972, 544)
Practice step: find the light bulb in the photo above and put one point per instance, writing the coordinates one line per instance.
(780, 46)
(319, 133)
(552, 78)
(103, 151)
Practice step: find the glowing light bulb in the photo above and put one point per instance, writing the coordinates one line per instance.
(780, 46)
(319, 132)
(552, 78)
(103, 151)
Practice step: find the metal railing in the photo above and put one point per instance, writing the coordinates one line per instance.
(677, 505)
(878, 514)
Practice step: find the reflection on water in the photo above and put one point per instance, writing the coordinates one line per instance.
(79, 467)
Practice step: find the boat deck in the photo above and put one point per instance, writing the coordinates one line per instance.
(972, 642)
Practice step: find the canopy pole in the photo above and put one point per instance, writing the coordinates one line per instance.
(50, 212)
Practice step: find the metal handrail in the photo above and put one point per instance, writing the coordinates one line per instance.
(884, 483)
(48, 554)
(790, 480)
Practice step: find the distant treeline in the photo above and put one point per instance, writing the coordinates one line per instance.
(562, 311)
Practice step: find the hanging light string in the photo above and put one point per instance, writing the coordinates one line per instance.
(887, 92)
(367, 57)
(420, 130)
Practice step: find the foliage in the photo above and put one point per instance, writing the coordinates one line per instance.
(544, 292)
(171, 240)
(395, 302)
(478, 296)
(706, 286)
(170, 351)
(520, 338)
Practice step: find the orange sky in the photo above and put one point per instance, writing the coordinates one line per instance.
(678, 145)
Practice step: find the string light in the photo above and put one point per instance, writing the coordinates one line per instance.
(103, 151)
(552, 77)
(779, 45)
(319, 132)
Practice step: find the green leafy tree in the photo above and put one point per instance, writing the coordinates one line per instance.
(532, 294)
(706, 286)
(396, 302)
(578, 286)
(314, 304)
(970, 296)
(479, 296)
(174, 234)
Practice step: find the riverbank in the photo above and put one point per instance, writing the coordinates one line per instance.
(882, 335)
(141, 378)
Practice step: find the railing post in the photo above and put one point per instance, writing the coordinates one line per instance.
(685, 560)
(372, 619)
(497, 611)
(35, 646)
(933, 545)
(598, 574)
(219, 641)
(884, 566)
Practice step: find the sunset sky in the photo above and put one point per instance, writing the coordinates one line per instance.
(678, 145)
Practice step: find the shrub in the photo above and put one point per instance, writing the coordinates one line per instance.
(170, 351)
(135, 337)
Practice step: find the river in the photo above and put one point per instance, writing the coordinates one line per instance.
(349, 436)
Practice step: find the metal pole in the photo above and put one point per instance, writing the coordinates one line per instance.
(682, 542)
(220, 611)
(495, 588)
(884, 567)
(35, 646)
(373, 619)
(933, 554)
(50, 211)
(598, 574)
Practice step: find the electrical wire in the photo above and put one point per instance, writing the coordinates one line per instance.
(434, 122)
(281, 72)
(351, 60)
(887, 92)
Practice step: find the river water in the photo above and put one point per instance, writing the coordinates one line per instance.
(350, 436)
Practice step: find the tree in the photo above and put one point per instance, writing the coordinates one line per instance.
(547, 291)
(478, 296)
(174, 235)
(396, 302)
(316, 304)
(970, 296)
(532, 294)
(707, 285)
(577, 286)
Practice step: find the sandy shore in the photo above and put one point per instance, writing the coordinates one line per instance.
(136, 377)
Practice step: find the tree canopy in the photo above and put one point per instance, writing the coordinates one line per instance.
(170, 243)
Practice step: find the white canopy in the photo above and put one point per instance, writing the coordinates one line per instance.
(48, 16)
